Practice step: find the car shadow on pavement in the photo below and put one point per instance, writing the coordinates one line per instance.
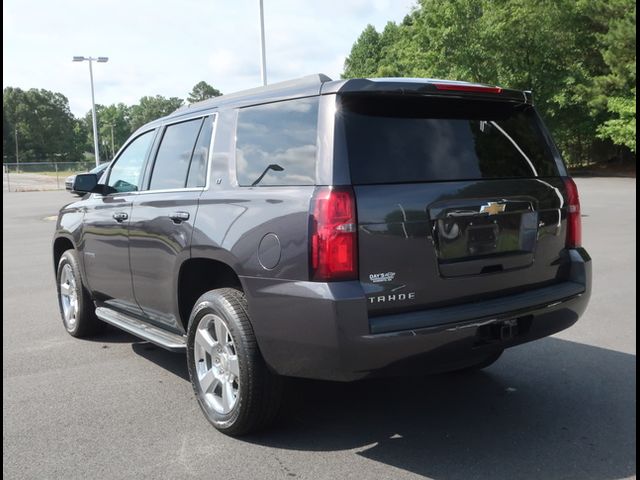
(549, 409)
(111, 334)
(173, 362)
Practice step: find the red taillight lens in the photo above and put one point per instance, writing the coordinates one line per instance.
(574, 223)
(467, 88)
(334, 241)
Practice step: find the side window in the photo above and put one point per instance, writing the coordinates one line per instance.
(276, 143)
(198, 169)
(174, 155)
(126, 172)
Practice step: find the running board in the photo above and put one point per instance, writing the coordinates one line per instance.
(162, 338)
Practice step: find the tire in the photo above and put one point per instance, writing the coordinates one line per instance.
(236, 391)
(76, 307)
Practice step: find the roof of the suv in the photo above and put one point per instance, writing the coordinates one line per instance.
(321, 84)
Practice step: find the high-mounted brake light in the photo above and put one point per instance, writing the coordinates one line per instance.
(574, 223)
(333, 235)
(467, 88)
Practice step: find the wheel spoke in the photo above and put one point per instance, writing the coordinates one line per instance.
(233, 365)
(65, 289)
(227, 396)
(221, 332)
(204, 339)
(208, 381)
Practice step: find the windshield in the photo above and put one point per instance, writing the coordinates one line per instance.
(100, 168)
(397, 139)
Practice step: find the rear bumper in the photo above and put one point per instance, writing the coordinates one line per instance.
(322, 330)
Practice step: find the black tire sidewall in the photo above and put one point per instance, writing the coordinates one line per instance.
(212, 303)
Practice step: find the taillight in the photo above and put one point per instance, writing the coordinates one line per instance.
(333, 235)
(467, 88)
(574, 223)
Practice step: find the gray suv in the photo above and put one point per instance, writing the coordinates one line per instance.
(331, 230)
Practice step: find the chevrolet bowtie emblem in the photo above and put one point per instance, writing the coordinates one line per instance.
(493, 208)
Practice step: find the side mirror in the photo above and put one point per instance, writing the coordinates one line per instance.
(88, 183)
(85, 182)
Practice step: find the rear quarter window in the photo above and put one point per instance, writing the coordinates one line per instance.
(276, 143)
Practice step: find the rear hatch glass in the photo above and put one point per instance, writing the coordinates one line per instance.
(443, 139)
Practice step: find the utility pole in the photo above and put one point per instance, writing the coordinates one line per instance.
(17, 156)
(93, 101)
(263, 56)
(93, 113)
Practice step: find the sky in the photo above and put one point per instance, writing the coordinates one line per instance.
(165, 47)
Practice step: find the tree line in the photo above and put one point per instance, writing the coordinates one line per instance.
(41, 124)
(577, 56)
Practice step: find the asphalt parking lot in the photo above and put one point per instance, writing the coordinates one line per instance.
(116, 407)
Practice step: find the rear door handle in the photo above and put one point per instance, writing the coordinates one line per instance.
(179, 217)
(120, 216)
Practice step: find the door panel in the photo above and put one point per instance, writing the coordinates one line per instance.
(106, 251)
(163, 217)
(105, 237)
(159, 242)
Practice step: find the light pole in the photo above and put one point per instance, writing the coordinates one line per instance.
(263, 55)
(93, 101)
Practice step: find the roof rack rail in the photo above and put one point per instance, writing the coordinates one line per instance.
(302, 82)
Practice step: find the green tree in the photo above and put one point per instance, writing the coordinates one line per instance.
(622, 129)
(202, 91)
(8, 150)
(573, 54)
(615, 91)
(364, 59)
(115, 127)
(152, 108)
(44, 124)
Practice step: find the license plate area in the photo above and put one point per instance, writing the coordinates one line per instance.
(484, 236)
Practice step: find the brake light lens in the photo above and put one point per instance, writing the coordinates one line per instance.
(333, 235)
(467, 88)
(574, 222)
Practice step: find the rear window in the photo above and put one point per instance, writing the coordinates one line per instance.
(393, 139)
(276, 143)
(174, 155)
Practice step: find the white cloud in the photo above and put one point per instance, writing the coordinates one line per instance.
(165, 47)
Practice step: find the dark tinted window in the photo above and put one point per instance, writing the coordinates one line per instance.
(126, 172)
(198, 168)
(174, 155)
(276, 143)
(400, 139)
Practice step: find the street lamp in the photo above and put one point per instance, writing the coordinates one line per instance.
(263, 55)
(93, 101)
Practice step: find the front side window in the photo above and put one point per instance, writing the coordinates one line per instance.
(276, 143)
(171, 167)
(127, 171)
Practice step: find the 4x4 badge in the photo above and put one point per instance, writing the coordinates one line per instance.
(493, 208)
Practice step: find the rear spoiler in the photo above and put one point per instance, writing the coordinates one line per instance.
(411, 86)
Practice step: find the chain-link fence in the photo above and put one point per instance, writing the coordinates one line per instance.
(35, 176)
